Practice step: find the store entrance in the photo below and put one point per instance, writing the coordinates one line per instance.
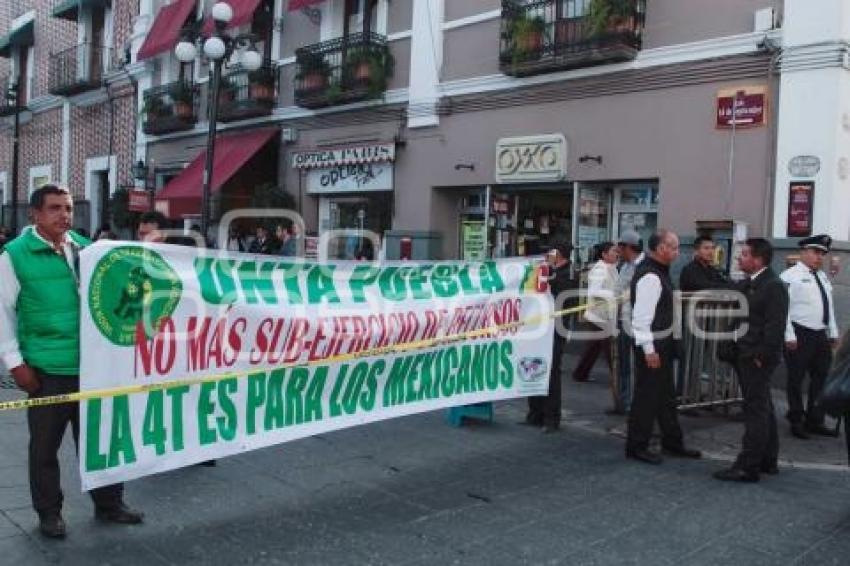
(360, 221)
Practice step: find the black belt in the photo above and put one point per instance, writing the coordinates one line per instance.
(806, 329)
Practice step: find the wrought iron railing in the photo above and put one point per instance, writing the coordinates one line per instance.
(539, 36)
(77, 69)
(346, 69)
(248, 94)
(170, 107)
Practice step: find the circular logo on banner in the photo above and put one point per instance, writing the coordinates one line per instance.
(132, 285)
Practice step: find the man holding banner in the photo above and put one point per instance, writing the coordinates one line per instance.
(40, 344)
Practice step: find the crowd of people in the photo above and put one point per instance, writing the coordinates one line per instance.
(630, 316)
(791, 314)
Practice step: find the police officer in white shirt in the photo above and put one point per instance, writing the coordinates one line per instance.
(810, 335)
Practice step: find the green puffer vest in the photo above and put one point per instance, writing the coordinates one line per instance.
(48, 306)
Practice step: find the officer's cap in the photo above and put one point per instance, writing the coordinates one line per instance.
(820, 242)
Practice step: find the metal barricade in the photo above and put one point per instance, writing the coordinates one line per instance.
(703, 381)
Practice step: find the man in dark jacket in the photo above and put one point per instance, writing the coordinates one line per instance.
(546, 411)
(757, 354)
(654, 352)
(700, 274)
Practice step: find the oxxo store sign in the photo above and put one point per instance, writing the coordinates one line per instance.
(538, 159)
(354, 169)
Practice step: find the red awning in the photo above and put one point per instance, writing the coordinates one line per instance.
(165, 31)
(243, 13)
(298, 4)
(181, 197)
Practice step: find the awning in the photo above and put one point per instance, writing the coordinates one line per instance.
(181, 197)
(243, 13)
(298, 4)
(70, 9)
(22, 36)
(165, 31)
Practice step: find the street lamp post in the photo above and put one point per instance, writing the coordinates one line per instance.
(13, 96)
(141, 172)
(217, 48)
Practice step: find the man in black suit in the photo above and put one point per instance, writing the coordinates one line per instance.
(757, 354)
(700, 274)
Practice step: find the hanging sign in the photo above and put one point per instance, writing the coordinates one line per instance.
(801, 200)
(744, 107)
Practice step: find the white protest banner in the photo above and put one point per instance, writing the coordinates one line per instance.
(274, 349)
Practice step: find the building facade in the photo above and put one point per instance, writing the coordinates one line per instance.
(76, 107)
(492, 127)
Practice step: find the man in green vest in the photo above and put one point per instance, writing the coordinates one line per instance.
(40, 345)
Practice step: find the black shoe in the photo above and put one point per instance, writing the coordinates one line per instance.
(550, 429)
(736, 474)
(207, 464)
(644, 456)
(532, 421)
(121, 515)
(582, 378)
(769, 469)
(615, 411)
(682, 452)
(821, 430)
(798, 431)
(51, 525)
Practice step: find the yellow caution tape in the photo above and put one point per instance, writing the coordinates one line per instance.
(142, 388)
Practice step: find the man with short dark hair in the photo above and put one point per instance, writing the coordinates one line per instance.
(630, 246)
(655, 349)
(700, 274)
(150, 226)
(811, 333)
(545, 410)
(755, 357)
(40, 345)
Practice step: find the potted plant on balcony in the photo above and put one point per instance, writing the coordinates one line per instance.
(313, 71)
(611, 16)
(261, 84)
(156, 107)
(527, 33)
(369, 67)
(183, 96)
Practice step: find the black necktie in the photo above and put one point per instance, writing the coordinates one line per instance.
(823, 298)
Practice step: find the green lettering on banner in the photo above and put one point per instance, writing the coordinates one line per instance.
(463, 372)
(478, 368)
(334, 403)
(257, 285)
(121, 439)
(425, 376)
(95, 459)
(352, 387)
(466, 283)
(176, 394)
(153, 429)
(507, 376)
(417, 278)
(492, 364)
(227, 422)
(394, 387)
(206, 434)
(438, 374)
(391, 282)
(443, 281)
(320, 285)
(412, 376)
(255, 400)
(368, 397)
(294, 408)
(447, 387)
(361, 277)
(491, 280)
(216, 280)
(313, 402)
(291, 281)
(274, 401)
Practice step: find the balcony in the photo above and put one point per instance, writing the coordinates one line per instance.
(247, 94)
(344, 70)
(552, 35)
(76, 69)
(171, 107)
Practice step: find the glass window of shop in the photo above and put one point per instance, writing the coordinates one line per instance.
(360, 221)
(636, 208)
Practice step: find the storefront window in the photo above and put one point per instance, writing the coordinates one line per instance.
(357, 218)
(636, 206)
(594, 219)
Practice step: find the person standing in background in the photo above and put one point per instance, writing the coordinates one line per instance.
(811, 333)
(630, 246)
(700, 274)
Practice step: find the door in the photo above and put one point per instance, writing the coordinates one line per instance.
(96, 44)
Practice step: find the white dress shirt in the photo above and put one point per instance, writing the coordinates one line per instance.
(806, 304)
(10, 352)
(601, 288)
(647, 294)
